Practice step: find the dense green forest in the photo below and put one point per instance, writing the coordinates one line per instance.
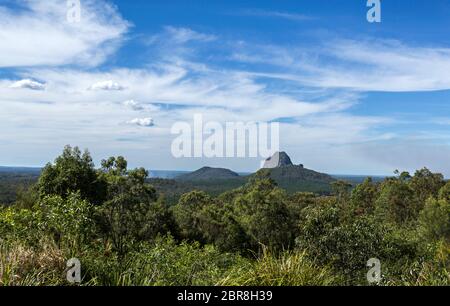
(125, 232)
(13, 183)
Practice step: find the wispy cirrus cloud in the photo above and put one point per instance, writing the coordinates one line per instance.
(386, 65)
(355, 65)
(184, 35)
(276, 14)
(37, 33)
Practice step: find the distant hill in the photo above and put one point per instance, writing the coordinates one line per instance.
(291, 177)
(296, 177)
(293, 172)
(207, 174)
(14, 178)
(166, 174)
(26, 170)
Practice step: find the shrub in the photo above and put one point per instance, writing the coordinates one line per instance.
(345, 246)
(163, 263)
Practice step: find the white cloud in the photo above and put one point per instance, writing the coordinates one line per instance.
(39, 34)
(277, 14)
(386, 66)
(136, 106)
(355, 65)
(146, 122)
(184, 35)
(107, 85)
(322, 130)
(28, 84)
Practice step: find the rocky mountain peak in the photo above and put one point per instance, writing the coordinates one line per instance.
(279, 159)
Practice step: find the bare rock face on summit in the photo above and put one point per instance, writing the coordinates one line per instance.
(279, 159)
(295, 177)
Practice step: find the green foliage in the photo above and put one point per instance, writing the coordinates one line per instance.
(286, 269)
(299, 201)
(132, 211)
(341, 189)
(363, 197)
(201, 218)
(117, 225)
(244, 220)
(14, 182)
(20, 225)
(72, 172)
(26, 198)
(397, 202)
(190, 215)
(444, 193)
(261, 211)
(162, 263)
(434, 220)
(426, 184)
(69, 220)
(346, 246)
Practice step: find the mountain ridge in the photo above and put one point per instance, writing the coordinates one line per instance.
(208, 173)
(279, 167)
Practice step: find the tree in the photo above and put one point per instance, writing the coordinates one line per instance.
(363, 197)
(132, 211)
(397, 202)
(426, 184)
(190, 215)
(72, 172)
(115, 166)
(341, 189)
(297, 203)
(434, 220)
(261, 210)
(444, 193)
(403, 176)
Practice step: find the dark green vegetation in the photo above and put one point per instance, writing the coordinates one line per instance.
(125, 233)
(14, 181)
(294, 178)
(208, 173)
(215, 181)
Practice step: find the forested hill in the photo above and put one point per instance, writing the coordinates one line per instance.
(14, 180)
(208, 173)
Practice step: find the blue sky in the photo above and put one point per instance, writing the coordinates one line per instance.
(352, 97)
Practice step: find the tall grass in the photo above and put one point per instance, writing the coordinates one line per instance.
(168, 263)
(24, 266)
(287, 269)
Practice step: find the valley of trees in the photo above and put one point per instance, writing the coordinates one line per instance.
(125, 232)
